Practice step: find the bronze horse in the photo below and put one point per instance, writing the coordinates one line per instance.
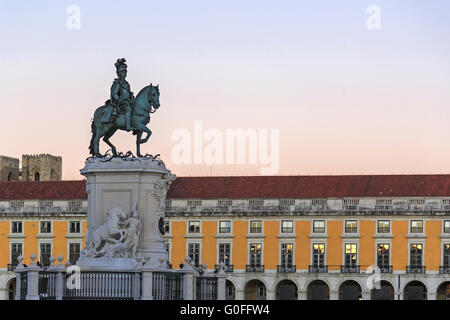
(147, 98)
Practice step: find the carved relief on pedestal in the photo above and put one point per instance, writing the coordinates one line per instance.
(117, 237)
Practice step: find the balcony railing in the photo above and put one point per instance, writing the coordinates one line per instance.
(286, 268)
(226, 267)
(385, 269)
(415, 269)
(350, 269)
(318, 269)
(11, 267)
(254, 268)
(444, 269)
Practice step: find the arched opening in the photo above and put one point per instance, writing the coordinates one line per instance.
(36, 176)
(12, 289)
(230, 290)
(286, 290)
(350, 290)
(10, 176)
(415, 290)
(443, 292)
(318, 290)
(384, 292)
(255, 290)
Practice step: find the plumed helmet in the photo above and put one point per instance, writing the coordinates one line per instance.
(120, 65)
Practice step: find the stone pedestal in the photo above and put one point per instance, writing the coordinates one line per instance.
(123, 182)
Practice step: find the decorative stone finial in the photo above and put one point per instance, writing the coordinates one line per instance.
(32, 257)
(52, 260)
(20, 260)
(188, 260)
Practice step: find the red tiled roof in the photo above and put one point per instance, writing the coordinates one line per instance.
(43, 190)
(275, 187)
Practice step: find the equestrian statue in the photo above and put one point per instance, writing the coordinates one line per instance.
(124, 112)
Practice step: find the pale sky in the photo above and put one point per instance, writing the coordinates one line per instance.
(346, 99)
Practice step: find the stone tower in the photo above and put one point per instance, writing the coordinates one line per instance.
(41, 167)
(9, 169)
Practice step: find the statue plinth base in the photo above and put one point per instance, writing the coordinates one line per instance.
(123, 182)
(106, 264)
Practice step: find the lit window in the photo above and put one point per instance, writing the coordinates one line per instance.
(446, 226)
(256, 226)
(351, 226)
(384, 226)
(416, 226)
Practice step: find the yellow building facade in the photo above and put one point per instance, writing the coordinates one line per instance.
(279, 237)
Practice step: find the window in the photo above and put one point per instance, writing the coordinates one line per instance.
(287, 254)
(446, 226)
(225, 226)
(287, 226)
(416, 226)
(415, 255)
(319, 226)
(351, 226)
(446, 258)
(46, 227)
(384, 226)
(74, 253)
(75, 205)
(351, 256)
(36, 176)
(255, 254)
(16, 251)
(194, 253)
(166, 227)
(46, 251)
(225, 253)
(256, 226)
(16, 227)
(75, 227)
(383, 250)
(16, 205)
(168, 203)
(194, 227)
(318, 255)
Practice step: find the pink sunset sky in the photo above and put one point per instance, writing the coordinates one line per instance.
(345, 98)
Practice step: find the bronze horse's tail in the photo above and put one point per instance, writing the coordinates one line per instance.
(94, 133)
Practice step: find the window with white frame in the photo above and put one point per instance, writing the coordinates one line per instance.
(194, 226)
(16, 252)
(351, 226)
(287, 254)
(74, 253)
(318, 226)
(416, 255)
(74, 227)
(16, 227)
(287, 226)
(255, 254)
(446, 257)
(351, 255)
(225, 226)
(225, 253)
(318, 256)
(166, 227)
(46, 227)
(194, 253)
(46, 252)
(383, 255)
(255, 226)
(383, 226)
(417, 226)
(446, 228)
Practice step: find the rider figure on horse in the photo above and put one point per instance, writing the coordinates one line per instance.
(122, 98)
